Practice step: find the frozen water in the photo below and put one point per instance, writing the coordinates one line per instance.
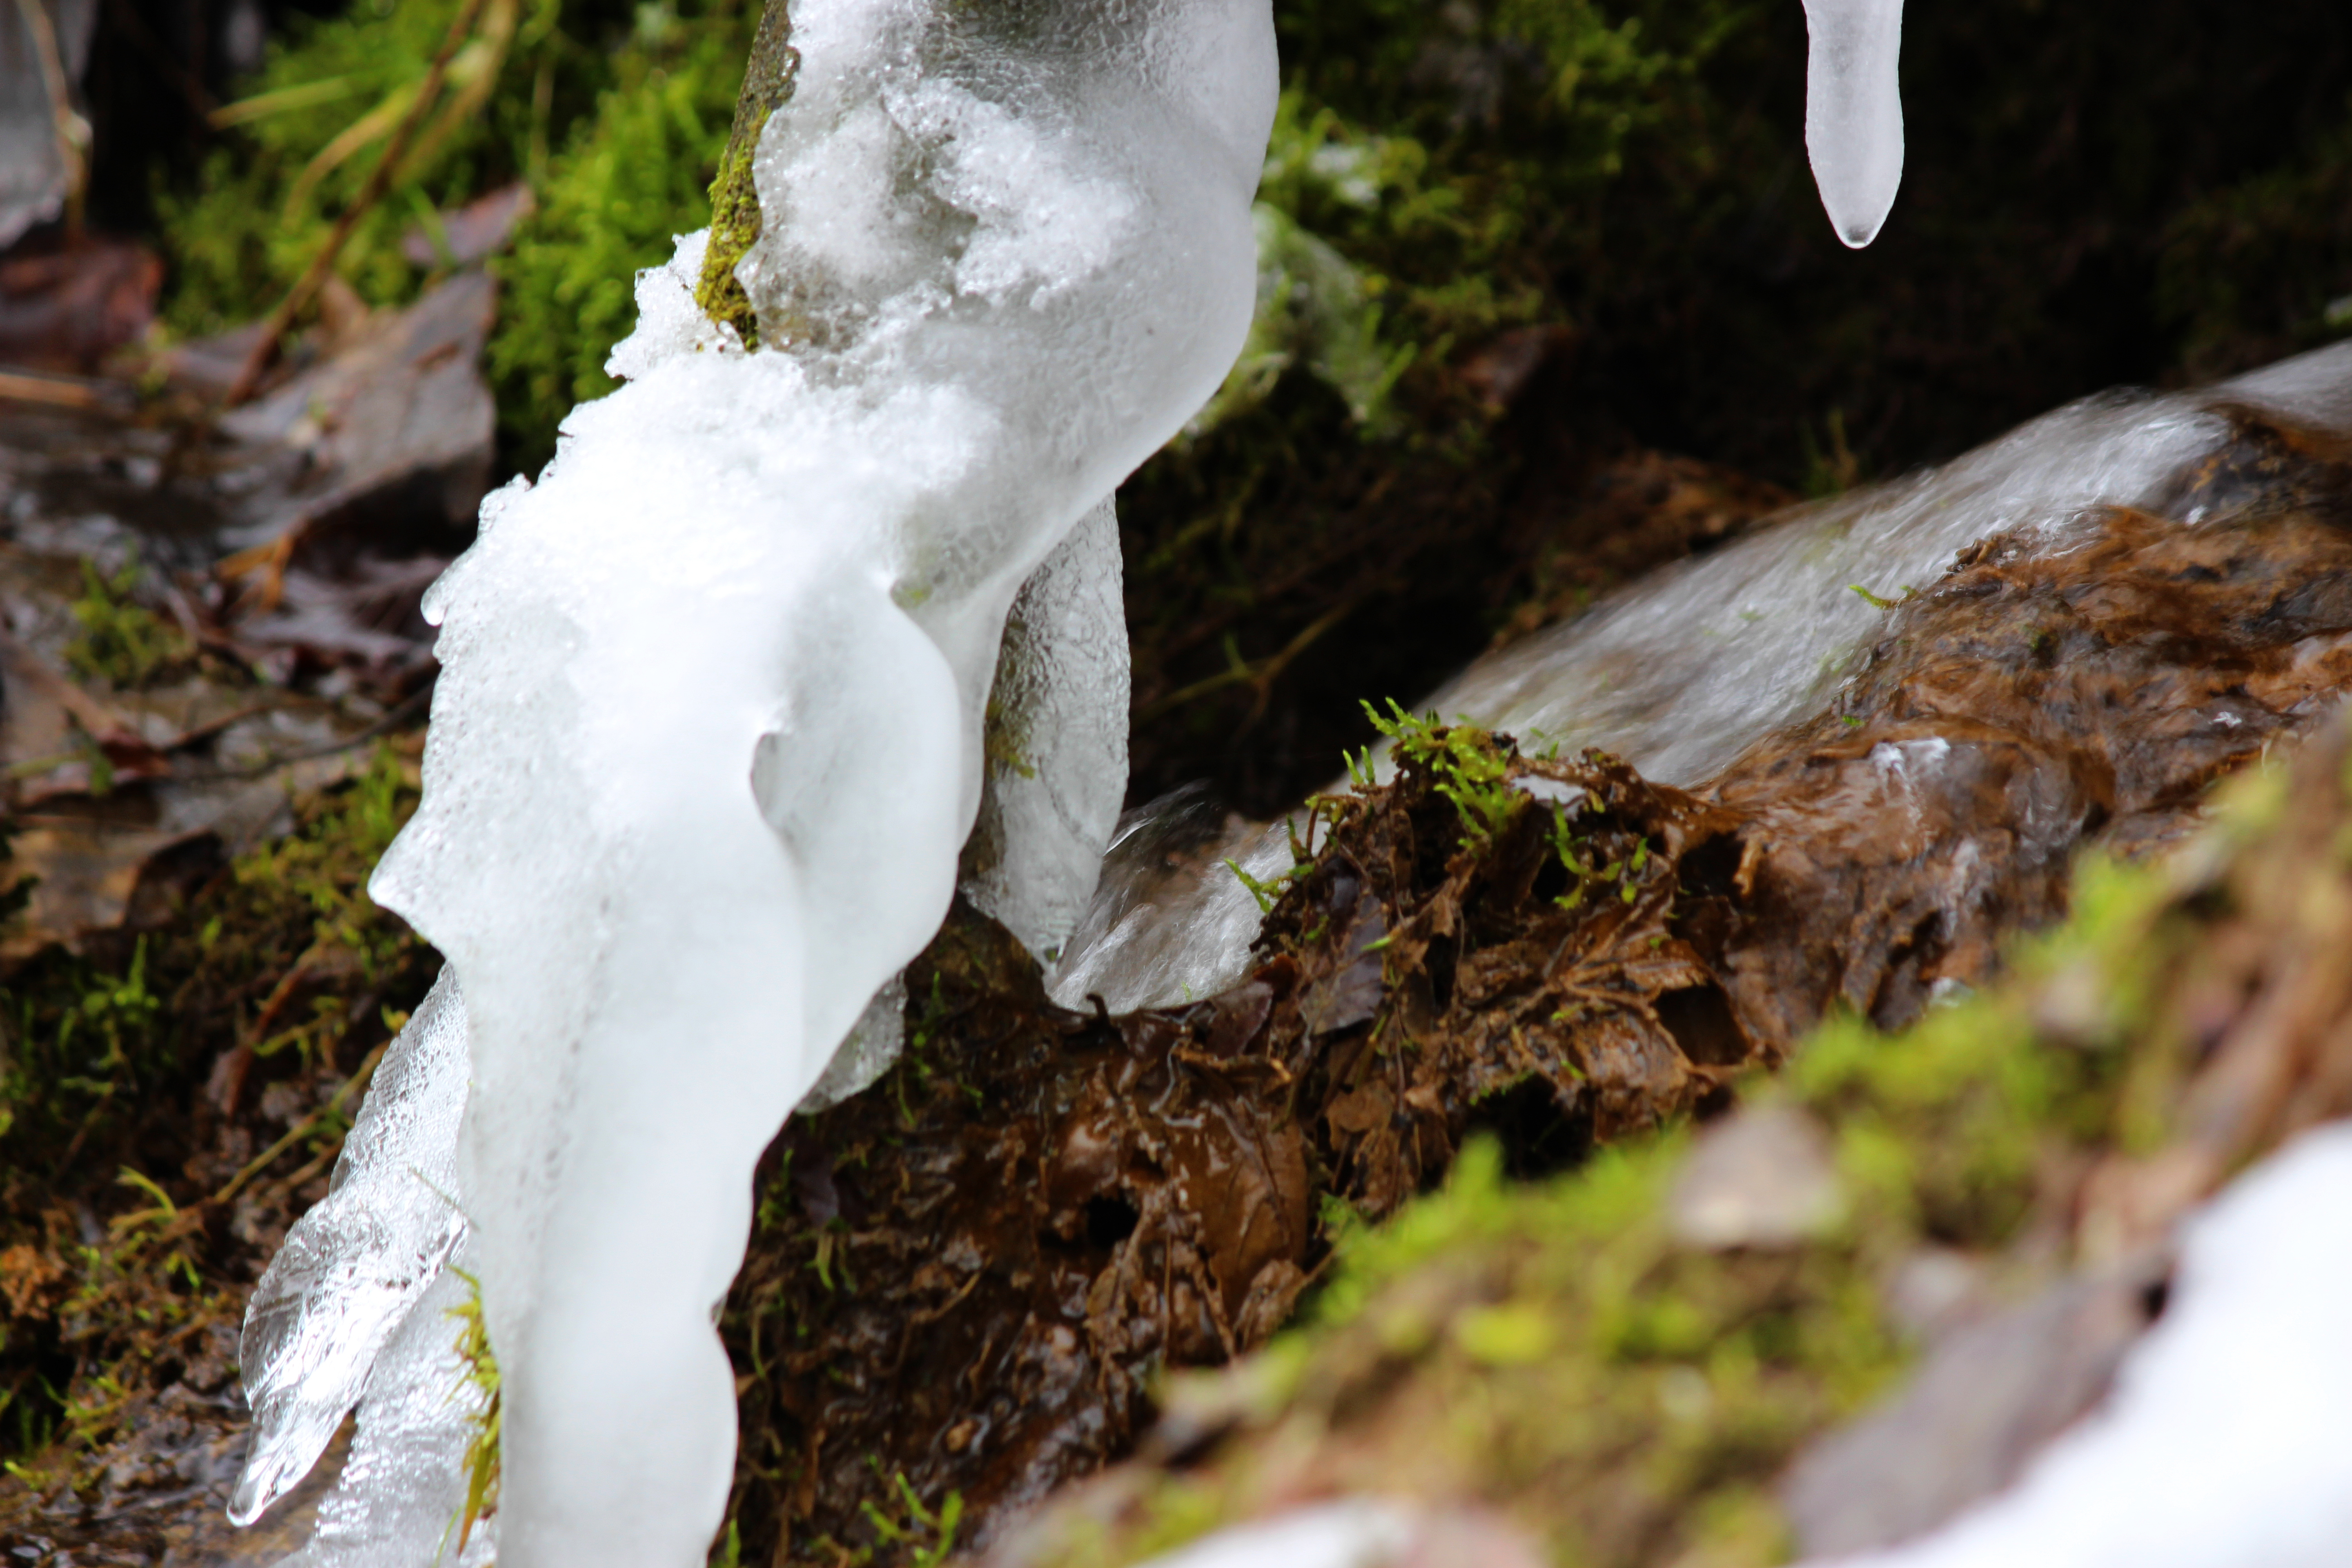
(1681, 672)
(711, 724)
(2228, 1440)
(1853, 110)
(398, 1501)
(1160, 950)
(354, 1267)
(1055, 743)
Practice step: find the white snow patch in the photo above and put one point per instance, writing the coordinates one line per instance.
(2228, 1440)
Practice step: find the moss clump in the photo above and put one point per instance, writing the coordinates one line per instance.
(122, 642)
(734, 201)
(634, 174)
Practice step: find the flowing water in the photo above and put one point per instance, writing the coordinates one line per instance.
(1682, 672)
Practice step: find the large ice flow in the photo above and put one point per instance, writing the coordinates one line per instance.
(1853, 110)
(713, 721)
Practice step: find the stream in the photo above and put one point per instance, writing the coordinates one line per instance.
(1682, 672)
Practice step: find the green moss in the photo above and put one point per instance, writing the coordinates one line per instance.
(1437, 153)
(614, 115)
(734, 200)
(121, 642)
(482, 1450)
(633, 176)
(310, 127)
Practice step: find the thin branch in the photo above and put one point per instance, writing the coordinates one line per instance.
(379, 180)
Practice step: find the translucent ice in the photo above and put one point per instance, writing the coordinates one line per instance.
(1138, 948)
(354, 1267)
(712, 721)
(397, 1502)
(2228, 1439)
(1056, 742)
(1681, 672)
(1853, 110)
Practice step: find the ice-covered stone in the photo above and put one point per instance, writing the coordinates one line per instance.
(1853, 110)
(1682, 671)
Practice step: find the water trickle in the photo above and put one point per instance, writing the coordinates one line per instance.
(1680, 673)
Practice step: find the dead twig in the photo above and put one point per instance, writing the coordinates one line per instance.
(264, 351)
(67, 391)
(353, 1085)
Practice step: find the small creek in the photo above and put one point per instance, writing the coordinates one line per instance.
(1683, 672)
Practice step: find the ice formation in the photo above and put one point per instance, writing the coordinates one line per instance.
(1681, 672)
(1057, 745)
(2228, 1440)
(713, 726)
(352, 1269)
(1853, 110)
